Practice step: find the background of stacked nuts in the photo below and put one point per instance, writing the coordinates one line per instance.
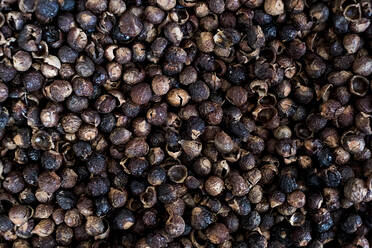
(165, 123)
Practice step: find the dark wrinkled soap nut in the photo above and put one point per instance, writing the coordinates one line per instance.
(130, 25)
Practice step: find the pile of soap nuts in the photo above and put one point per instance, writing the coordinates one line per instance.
(185, 123)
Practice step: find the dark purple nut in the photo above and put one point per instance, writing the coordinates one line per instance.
(124, 219)
(217, 233)
(141, 93)
(211, 112)
(29, 38)
(96, 6)
(82, 87)
(216, 6)
(136, 147)
(154, 14)
(199, 91)
(201, 218)
(13, 183)
(51, 160)
(58, 91)
(157, 115)
(87, 20)
(130, 25)
(4, 92)
(98, 186)
(175, 226)
(105, 104)
(7, 72)
(46, 10)
(314, 66)
(84, 66)
(67, 55)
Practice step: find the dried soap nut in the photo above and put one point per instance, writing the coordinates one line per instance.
(274, 7)
(22, 61)
(214, 185)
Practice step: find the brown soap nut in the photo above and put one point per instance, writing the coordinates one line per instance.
(87, 132)
(160, 85)
(58, 91)
(49, 181)
(136, 147)
(117, 197)
(274, 7)
(69, 178)
(173, 32)
(71, 123)
(73, 218)
(355, 190)
(154, 14)
(214, 185)
(363, 65)
(141, 93)
(205, 42)
(236, 184)
(217, 233)
(22, 61)
(296, 199)
(157, 115)
(211, 112)
(237, 95)
(96, 6)
(43, 211)
(114, 71)
(178, 97)
(255, 195)
(64, 234)
(223, 142)
(20, 214)
(166, 4)
(77, 39)
(94, 226)
(120, 136)
(44, 228)
(175, 226)
(276, 198)
(141, 127)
